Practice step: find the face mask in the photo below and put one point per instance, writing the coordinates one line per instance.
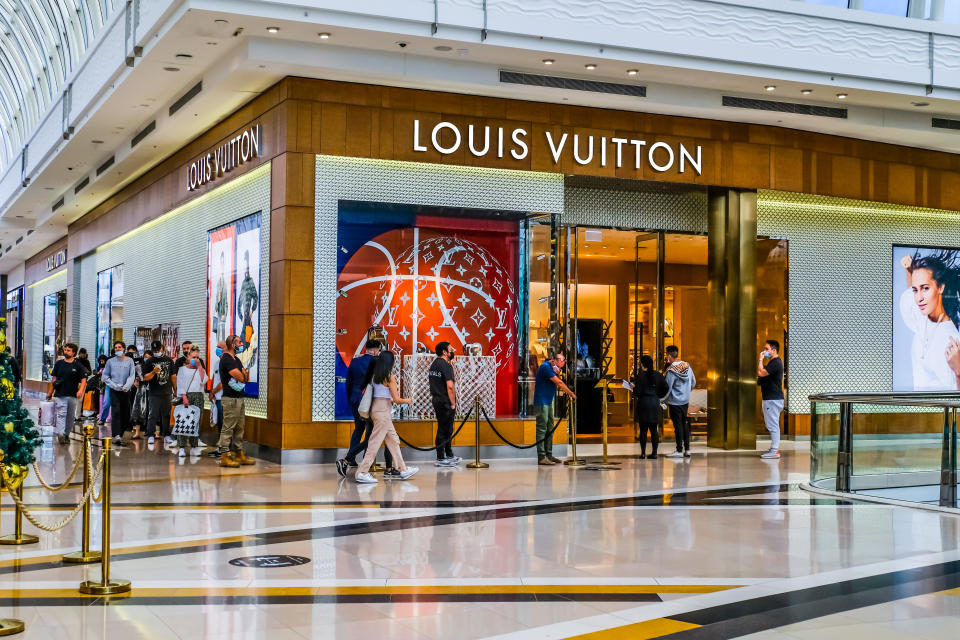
(766, 354)
(219, 352)
(118, 353)
(193, 361)
(240, 349)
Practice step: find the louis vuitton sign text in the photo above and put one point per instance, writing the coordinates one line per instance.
(225, 158)
(57, 260)
(483, 141)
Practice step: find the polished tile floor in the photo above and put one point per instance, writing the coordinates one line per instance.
(721, 545)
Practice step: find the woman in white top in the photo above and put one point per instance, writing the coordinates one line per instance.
(384, 395)
(929, 307)
(191, 381)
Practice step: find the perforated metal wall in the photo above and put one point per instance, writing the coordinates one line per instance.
(376, 180)
(840, 287)
(666, 210)
(165, 269)
(33, 321)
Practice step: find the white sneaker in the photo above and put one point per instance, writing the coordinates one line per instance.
(196, 451)
(444, 462)
(455, 460)
(183, 453)
(365, 478)
(404, 475)
(772, 454)
(675, 454)
(151, 440)
(169, 441)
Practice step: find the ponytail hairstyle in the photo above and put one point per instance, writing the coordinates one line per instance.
(382, 367)
(944, 268)
(647, 363)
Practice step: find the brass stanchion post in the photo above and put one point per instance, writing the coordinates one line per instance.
(573, 460)
(476, 464)
(18, 536)
(106, 586)
(85, 556)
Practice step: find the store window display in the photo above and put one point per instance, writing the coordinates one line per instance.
(427, 275)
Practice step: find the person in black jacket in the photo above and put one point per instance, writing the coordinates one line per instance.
(649, 386)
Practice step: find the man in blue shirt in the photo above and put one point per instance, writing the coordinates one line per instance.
(356, 383)
(544, 391)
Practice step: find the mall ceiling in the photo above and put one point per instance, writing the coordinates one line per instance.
(238, 50)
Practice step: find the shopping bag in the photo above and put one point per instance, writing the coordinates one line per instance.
(186, 420)
(213, 413)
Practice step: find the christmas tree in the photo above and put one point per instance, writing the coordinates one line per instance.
(18, 437)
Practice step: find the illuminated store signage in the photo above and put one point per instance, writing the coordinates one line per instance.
(483, 141)
(225, 158)
(57, 260)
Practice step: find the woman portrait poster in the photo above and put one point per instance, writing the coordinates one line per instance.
(926, 341)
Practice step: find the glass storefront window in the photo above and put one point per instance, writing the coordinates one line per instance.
(54, 330)
(15, 322)
(773, 278)
(416, 276)
(109, 308)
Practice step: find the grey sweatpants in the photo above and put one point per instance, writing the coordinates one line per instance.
(66, 413)
(771, 417)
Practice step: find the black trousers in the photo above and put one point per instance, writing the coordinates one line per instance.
(356, 449)
(654, 429)
(158, 415)
(445, 415)
(681, 425)
(119, 411)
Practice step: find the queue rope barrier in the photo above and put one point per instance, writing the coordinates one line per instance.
(547, 435)
(65, 521)
(442, 444)
(65, 483)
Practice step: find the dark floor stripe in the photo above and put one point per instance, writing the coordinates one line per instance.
(329, 599)
(769, 612)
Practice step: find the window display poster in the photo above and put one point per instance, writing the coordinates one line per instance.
(233, 291)
(427, 276)
(926, 314)
(103, 312)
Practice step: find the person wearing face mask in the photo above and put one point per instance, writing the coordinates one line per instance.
(443, 395)
(234, 377)
(191, 379)
(770, 379)
(118, 376)
(216, 395)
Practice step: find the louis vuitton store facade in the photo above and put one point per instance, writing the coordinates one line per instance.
(511, 228)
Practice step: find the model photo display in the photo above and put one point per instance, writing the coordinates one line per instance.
(926, 314)
(233, 291)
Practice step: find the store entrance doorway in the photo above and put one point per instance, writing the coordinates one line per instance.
(633, 293)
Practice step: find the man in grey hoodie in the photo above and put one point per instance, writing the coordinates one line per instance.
(118, 375)
(680, 380)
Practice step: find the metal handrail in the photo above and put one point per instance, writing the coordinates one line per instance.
(912, 399)
(949, 403)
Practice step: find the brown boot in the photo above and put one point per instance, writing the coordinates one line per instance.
(227, 460)
(243, 458)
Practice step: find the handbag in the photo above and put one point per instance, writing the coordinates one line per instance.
(366, 401)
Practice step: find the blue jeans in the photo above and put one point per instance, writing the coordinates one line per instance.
(105, 409)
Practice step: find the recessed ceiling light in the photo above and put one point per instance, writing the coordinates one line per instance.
(273, 29)
(770, 87)
(841, 96)
(548, 61)
(171, 69)
(920, 104)
(221, 21)
(97, 141)
(212, 43)
(183, 56)
(632, 72)
(590, 66)
(806, 92)
(443, 47)
(323, 35)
